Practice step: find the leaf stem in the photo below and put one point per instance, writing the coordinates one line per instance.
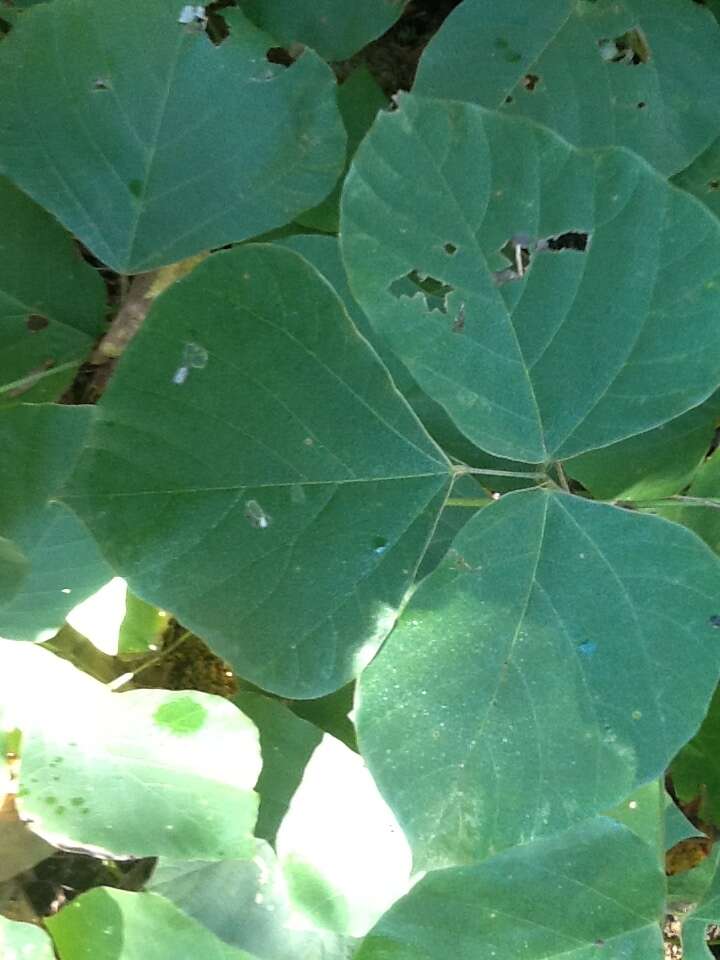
(678, 501)
(120, 682)
(468, 502)
(463, 469)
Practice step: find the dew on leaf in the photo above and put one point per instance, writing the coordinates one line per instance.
(256, 516)
(379, 545)
(194, 357)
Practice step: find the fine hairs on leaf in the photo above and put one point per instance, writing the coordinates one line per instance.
(360, 513)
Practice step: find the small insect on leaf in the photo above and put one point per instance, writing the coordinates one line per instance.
(256, 515)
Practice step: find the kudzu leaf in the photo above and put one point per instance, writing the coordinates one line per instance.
(594, 891)
(51, 302)
(287, 742)
(133, 926)
(696, 769)
(142, 773)
(335, 28)
(246, 903)
(24, 941)
(633, 73)
(651, 465)
(40, 445)
(359, 99)
(279, 499)
(704, 520)
(345, 859)
(598, 321)
(705, 912)
(549, 616)
(149, 166)
(702, 177)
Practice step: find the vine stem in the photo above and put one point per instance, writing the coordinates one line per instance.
(677, 500)
(462, 469)
(468, 502)
(118, 683)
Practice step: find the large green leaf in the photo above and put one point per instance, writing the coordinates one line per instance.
(520, 691)
(658, 463)
(40, 445)
(148, 166)
(23, 941)
(596, 891)
(702, 177)
(247, 904)
(141, 773)
(335, 28)
(703, 519)
(581, 349)
(633, 73)
(51, 302)
(110, 924)
(286, 743)
(254, 471)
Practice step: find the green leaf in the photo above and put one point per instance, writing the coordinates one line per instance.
(696, 769)
(142, 626)
(594, 891)
(13, 569)
(548, 616)
(359, 99)
(702, 177)
(705, 912)
(556, 361)
(51, 302)
(633, 73)
(286, 744)
(149, 166)
(105, 923)
(24, 941)
(703, 520)
(340, 847)
(452, 520)
(335, 28)
(331, 713)
(283, 497)
(655, 464)
(40, 445)
(247, 905)
(142, 773)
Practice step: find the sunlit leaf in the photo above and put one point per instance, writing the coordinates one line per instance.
(24, 941)
(549, 616)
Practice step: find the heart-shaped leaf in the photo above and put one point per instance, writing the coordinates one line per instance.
(632, 73)
(254, 471)
(141, 773)
(594, 891)
(24, 941)
(148, 166)
(551, 299)
(51, 302)
(549, 616)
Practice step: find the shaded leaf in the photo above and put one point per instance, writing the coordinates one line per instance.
(142, 773)
(147, 167)
(286, 744)
(556, 361)
(359, 99)
(658, 463)
(702, 177)
(247, 905)
(132, 926)
(335, 28)
(696, 769)
(703, 520)
(285, 439)
(13, 569)
(51, 302)
(592, 892)
(549, 616)
(331, 713)
(706, 911)
(634, 73)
